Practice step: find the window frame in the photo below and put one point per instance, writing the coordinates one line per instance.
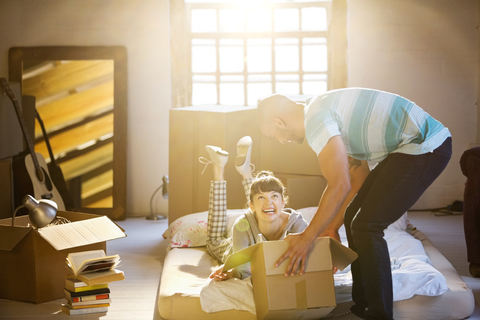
(181, 46)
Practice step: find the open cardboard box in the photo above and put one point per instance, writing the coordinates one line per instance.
(33, 268)
(307, 296)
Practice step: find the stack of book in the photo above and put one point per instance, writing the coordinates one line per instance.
(86, 288)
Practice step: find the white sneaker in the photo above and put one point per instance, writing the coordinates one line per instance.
(244, 151)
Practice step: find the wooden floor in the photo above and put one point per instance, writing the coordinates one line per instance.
(143, 251)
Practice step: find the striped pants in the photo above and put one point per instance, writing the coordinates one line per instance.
(218, 244)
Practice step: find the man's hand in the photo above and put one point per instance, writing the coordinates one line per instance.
(219, 275)
(299, 248)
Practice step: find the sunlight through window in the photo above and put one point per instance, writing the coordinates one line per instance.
(244, 50)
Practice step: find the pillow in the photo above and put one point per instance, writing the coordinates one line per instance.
(191, 230)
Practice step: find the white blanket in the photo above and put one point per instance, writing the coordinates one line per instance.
(412, 274)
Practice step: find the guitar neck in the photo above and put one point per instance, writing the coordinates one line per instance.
(23, 126)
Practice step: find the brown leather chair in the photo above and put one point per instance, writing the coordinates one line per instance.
(470, 165)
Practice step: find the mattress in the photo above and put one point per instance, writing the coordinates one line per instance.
(185, 271)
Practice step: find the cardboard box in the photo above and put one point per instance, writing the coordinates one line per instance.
(191, 129)
(31, 269)
(6, 189)
(303, 191)
(287, 158)
(307, 296)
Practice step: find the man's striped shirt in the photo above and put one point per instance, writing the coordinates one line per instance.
(371, 123)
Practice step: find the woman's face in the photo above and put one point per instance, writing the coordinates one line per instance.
(267, 205)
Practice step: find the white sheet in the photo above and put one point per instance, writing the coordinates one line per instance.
(412, 274)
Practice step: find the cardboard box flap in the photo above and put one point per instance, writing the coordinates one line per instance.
(80, 233)
(10, 236)
(341, 255)
(241, 257)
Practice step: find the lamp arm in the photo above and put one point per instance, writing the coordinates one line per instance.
(153, 196)
(15, 213)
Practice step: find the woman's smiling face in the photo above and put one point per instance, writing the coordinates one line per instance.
(267, 205)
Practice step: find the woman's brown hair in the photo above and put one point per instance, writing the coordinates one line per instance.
(265, 181)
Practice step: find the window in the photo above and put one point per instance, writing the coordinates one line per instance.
(233, 53)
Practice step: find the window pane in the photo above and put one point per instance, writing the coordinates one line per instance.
(314, 19)
(204, 20)
(314, 58)
(287, 88)
(204, 93)
(231, 55)
(204, 58)
(256, 91)
(259, 55)
(314, 87)
(286, 19)
(259, 20)
(232, 94)
(231, 20)
(286, 55)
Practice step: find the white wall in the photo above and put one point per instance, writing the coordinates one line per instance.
(142, 27)
(425, 51)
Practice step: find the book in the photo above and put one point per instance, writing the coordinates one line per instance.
(69, 294)
(94, 267)
(87, 306)
(70, 311)
(89, 303)
(101, 277)
(75, 285)
(91, 261)
(94, 297)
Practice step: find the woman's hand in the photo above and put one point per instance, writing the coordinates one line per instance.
(219, 275)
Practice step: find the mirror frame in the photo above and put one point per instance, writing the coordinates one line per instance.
(18, 55)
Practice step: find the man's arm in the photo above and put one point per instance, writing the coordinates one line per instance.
(359, 171)
(334, 165)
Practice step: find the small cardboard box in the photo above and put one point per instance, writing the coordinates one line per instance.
(303, 190)
(6, 188)
(289, 158)
(307, 296)
(33, 267)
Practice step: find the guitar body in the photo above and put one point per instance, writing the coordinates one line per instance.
(27, 182)
(30, 171)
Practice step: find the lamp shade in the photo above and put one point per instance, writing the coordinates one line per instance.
(41, 212)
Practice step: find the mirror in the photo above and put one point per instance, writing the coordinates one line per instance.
(81, 96)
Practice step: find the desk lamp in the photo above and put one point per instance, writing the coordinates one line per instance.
(41, 212)
(164, 187)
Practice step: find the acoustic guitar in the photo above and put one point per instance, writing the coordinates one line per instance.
(30, 171)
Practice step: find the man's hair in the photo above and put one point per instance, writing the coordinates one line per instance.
(265, 181)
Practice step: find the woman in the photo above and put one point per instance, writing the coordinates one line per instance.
(266, 219)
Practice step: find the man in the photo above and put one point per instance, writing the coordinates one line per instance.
(346, 128)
